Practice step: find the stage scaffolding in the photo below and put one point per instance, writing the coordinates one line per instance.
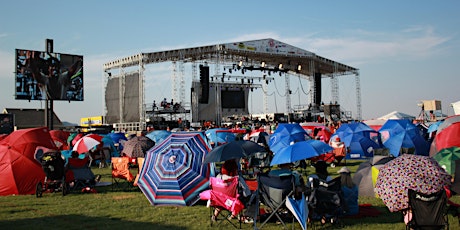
(263, 55)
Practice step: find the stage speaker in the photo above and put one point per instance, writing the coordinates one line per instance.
(331, 110)
(317, 84)
(204, 83)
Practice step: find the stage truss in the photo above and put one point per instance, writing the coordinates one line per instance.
(263, 55)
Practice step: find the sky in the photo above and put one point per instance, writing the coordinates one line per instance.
(406, 51)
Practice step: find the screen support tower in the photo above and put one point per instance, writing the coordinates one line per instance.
(49, 107)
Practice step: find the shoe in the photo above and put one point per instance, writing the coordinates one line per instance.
(213, 218)
(230, 217)
(248, 220)
(323, 220)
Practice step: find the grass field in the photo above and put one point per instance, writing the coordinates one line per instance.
(129, 209)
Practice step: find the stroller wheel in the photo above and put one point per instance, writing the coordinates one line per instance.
(39, 190)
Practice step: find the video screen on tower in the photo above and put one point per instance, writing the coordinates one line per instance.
(54, 76)
(233, 99)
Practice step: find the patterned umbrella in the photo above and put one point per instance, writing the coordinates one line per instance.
(173, 172)
(419, 173)
(137, 146)
(87, 142)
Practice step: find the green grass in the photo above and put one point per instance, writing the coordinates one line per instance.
(129, 209)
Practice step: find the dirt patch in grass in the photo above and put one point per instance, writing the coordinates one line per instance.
(123, 197)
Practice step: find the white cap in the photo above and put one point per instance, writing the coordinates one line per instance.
(344, 170)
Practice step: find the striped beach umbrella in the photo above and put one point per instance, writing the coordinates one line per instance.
(173, 172)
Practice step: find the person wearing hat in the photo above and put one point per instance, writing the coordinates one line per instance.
(321, 173)
(349, 191)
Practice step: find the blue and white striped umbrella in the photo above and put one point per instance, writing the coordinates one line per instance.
(173, 172)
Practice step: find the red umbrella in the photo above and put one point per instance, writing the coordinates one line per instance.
(2, 136)
(20, 171)
(76, 138)
(87, 142)
(447, 137)
(60, 138)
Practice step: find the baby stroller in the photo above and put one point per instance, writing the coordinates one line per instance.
(53, 166)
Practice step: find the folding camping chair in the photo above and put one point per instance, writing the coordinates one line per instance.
(428, 211)
(121, 176)
(223, 198)
(325, 201)
(273, 192)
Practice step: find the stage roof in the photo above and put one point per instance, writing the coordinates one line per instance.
(251, 53)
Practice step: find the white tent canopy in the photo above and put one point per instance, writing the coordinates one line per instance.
(396, 115)
(456, 106)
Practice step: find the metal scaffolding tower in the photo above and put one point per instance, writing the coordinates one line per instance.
(181, 83)
(174, 78)
(310, 79)
(358, 96)
(287, 86)
(265, 91)
(335, 87)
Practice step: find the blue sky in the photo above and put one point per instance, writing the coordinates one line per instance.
(406, 51)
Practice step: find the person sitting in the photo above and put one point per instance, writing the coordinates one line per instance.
(349, 191)
(285, 170)
(228, 171)
(321, 173)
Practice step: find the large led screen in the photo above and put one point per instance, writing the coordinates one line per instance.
(233, 99)
(53, 76)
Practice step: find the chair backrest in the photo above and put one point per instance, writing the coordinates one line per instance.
(274, 189)
(228, 187)
(456, 184)
(326, 197)
(428, 210)
(120, 168)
